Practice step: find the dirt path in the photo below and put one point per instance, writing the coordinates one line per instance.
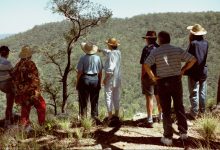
(128, 136)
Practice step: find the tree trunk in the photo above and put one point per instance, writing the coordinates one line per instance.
(55, 106)
(64, 94)
(64, 79)
(218, 92)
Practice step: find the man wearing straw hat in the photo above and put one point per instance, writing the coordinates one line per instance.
(197, 75)
(112, 80)
(6, 84)
(28, 90)
(89, 78)
(149, 88)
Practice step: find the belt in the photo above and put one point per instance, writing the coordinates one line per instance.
(95, 74)
(170, 78)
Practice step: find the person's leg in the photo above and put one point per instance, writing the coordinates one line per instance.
(83, 96)
(108, 99)
(25, 112)
(8, 89)
(165, 101)
(202, 96)
(148, 91)
(194, 99)
(149, 108)
(9, 106)
(160, 114)
(116, 99)
(94, 97)
(40, 106)
(177, 95)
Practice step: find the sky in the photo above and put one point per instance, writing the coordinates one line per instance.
(21, 15)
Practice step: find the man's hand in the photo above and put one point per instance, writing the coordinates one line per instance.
(155, 78)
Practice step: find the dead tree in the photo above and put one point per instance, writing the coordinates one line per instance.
(83, 15)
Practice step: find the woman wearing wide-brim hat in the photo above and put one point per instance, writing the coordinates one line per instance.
(27, 84)
(89, 79)
(112, 80)
(197, 75)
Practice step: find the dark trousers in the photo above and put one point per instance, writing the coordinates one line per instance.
(171, 88)
(8, 88)
(88, 88)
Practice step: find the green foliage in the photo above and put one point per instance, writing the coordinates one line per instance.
(79, 133)
(209, 127)
(87, 123)
(49, 38)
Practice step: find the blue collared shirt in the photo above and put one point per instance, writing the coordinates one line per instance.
(199, 49)
(90, 64)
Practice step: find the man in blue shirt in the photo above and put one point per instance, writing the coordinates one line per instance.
(198, 47)
(6, 85)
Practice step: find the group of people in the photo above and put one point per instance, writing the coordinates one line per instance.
(21, 84)
(89, 78)
(162, 72)
(161, 76)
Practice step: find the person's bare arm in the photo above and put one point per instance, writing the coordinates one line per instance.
(150, 72)
(188, 65)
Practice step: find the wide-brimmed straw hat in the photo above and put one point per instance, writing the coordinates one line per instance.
(89, 48)
(112, 42)
(197, 29)
(26, 51)
(150, 34)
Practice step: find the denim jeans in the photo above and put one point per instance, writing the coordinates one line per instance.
(88, 88)
(171, 88)
(198, 92)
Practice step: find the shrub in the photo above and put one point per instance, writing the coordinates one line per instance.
(209, 126)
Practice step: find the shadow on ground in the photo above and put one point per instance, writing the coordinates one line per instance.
(108, 138)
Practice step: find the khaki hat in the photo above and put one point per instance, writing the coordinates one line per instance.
(26, 52)
(197, 29)
(112, 42)
(89, 48)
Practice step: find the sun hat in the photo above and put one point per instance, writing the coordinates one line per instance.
(150, 34)
(26, 52)
(112, 42)
(89, 48)
(197, 29)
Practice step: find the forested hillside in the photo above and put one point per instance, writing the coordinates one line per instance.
(50, 37)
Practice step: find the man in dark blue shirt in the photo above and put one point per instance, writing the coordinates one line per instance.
(198, 47)
(149, 88)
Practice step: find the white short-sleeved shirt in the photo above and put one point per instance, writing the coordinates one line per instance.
(113, 66)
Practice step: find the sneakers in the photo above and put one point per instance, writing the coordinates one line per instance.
(166, 141)
(183, 136)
